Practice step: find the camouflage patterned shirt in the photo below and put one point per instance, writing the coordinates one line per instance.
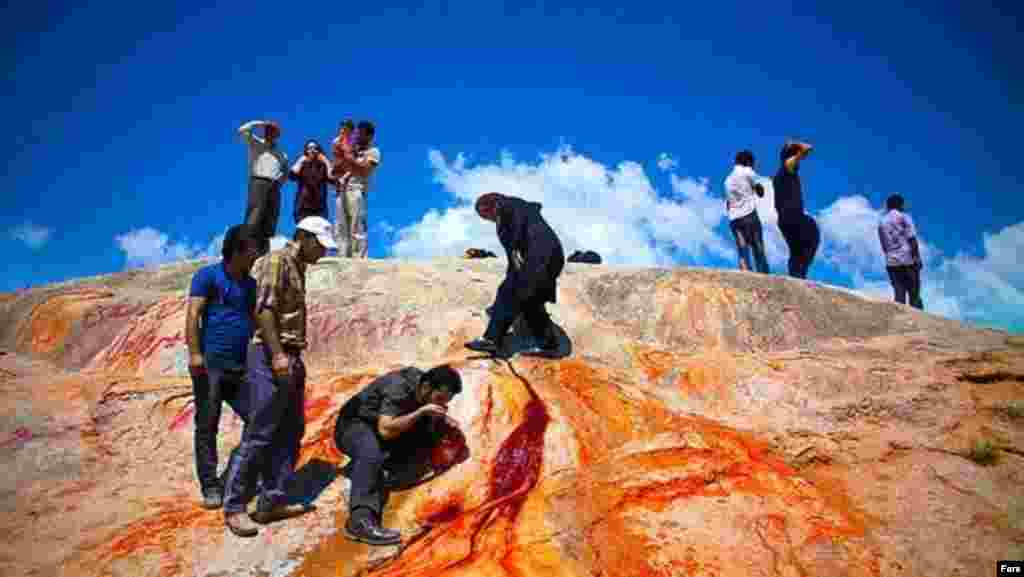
(281, 281)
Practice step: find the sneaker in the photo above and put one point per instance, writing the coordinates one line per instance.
(213, 498)
(280, 513)
(368, 531)
(240, 524)
(483, 345)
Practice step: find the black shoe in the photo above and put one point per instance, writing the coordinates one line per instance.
(547, 349)
(483, 345)
(368, 531)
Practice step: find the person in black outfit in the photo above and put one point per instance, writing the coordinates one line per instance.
(535, 259)
(799, 230)
(390, 430)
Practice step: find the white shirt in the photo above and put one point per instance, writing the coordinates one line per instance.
(894, 232)
(739, 191)
(264, 161)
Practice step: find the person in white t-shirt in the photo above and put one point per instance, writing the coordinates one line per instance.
(360, 161)
(898, 237)
(741, 186)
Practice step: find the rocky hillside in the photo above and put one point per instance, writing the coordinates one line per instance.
(699, 422)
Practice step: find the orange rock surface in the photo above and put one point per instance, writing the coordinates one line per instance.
(699, 423)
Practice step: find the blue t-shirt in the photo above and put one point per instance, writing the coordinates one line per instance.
(227, 322)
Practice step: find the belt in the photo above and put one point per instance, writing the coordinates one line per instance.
(268, 179)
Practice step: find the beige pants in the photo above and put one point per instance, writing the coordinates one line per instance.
(351, 216)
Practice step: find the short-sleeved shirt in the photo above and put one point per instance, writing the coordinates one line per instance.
(362, 183)
(739, 190)
(392, 394)
(265, 161)
(227, 318)
(894, 232)
(281, 287)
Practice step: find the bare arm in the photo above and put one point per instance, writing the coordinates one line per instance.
(193, 313)
(245, 130)
(915, 250)
(390, 427)
(803, 149)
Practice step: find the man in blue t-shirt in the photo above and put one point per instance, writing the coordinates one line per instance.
(218, 327)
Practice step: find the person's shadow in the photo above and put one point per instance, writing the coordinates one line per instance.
(306, 485)
(520, 338)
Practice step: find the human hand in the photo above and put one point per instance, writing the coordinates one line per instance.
(196, 364)
(434, 410)
(279, 365)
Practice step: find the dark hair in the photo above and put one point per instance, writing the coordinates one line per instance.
(347, 123)
(894, 202)
(443, 376)
(312, 141)
(233, 240)
(300, 234)
(745, 158)
(788, 149)
(367, 128)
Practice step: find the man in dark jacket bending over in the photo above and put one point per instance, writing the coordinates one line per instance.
(535, 259)
(397, 434)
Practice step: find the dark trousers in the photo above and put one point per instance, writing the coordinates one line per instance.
(508, 305)
(750, 238)
(377, 466)
(263, 209)
(273, 431)
(906, 280)
(210, 390)
(802, 237)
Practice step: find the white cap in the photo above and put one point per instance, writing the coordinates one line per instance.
(319, 226)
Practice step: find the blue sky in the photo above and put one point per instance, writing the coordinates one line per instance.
(123, 151)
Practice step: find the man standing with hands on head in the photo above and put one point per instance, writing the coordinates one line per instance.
(276, 380)
(798, 229)
(218, 326)
(268, 170)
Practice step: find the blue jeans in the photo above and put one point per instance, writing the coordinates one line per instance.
(272, 436)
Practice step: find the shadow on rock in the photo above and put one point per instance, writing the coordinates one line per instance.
(311, 480)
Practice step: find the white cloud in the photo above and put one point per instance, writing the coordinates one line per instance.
(33, 235)
(277, 242)
(666, 163)
(986, 290)
(617, 212)
(146, 247)
(614, 211)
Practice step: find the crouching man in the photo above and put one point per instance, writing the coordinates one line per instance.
(397, 434)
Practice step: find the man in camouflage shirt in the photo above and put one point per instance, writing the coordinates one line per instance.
(276, 381)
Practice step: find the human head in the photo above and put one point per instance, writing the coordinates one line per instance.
(439, 385)
(312, 148)
(487, 206)
(745, 158)
(239, 247)
(788, 149)
(313, 234)
(894, 202)
(271, 131)
(367, 130)
(346, 124)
